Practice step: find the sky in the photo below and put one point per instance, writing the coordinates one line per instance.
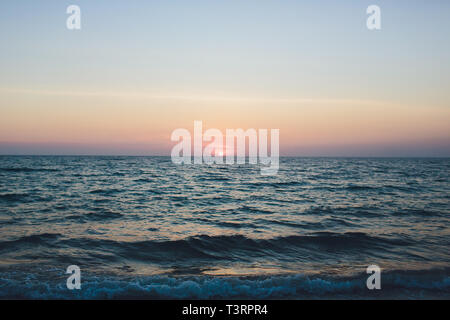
(137, 70)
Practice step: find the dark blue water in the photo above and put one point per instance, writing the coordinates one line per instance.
(142, 227)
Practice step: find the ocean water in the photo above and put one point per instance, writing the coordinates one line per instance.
(142, 227)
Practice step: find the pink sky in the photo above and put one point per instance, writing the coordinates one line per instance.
(130, 123)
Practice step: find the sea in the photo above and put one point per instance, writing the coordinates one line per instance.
(145, 228)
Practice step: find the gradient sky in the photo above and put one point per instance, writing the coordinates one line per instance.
(137, 70)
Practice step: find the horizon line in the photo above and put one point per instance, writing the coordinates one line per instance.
(281, 156)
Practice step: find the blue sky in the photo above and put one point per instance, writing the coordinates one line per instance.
(275, 50)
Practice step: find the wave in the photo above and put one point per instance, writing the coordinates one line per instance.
(106, 192)
(225, 247)
(227, 224)
(372, 212)
(12, 197)
(99, 215)
(355, 187)
(27, 169)
(146, 180)
(412, 284)
(278, 184)
(34, 239)
(422, 213)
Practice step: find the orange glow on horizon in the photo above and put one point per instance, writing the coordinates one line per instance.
(124, 120)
